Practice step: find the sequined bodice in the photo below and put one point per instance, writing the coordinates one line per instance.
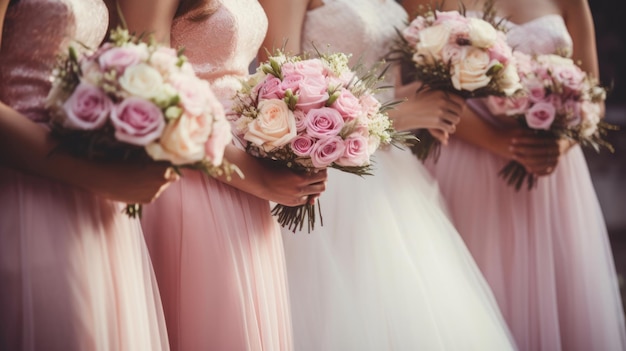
(35, 33)
(364, 28)
(222, 45)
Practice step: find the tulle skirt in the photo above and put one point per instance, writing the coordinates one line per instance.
(75, 274)
(388, 271)
(219, 262)
(544, 252)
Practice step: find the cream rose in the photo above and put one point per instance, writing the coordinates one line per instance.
(470, 72)
(432, 40)
(509, 80)
(481, 33)
(183, 140)
(142, 80)
(274, 126)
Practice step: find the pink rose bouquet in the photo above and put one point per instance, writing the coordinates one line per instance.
(452, 52)
(135, 101)
(559, 99)
(312, 113)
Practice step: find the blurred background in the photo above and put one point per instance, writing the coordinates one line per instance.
(608, 171)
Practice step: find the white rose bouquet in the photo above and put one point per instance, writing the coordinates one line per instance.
(452, 52)
(138, 102)
(558, 99)
(312, 113)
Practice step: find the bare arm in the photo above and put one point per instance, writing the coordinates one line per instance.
(579, 23)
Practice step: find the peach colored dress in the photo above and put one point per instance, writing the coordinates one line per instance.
(544, 252)
(217, 251)
(75, 274)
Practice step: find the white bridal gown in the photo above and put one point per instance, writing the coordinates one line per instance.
(387, 271)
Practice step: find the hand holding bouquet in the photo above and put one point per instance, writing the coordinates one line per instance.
(458, 54)
(311, 113)
(558, 100)
(134, 101)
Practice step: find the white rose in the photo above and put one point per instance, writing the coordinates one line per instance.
(481, 33)
(274, 126)
(590, 113)
(91, 72)
(470, 72)
(432, 40)
(142, 80)
(509, 80)
(183, 140)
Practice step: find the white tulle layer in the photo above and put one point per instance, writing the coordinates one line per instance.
(388, 271)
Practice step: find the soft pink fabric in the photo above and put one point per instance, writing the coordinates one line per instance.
(544, 252)
(217, 251)
(74, 271)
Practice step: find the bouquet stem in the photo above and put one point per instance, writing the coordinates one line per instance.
(515, 174)
(427, 146)
(133, 210)
(293, 218)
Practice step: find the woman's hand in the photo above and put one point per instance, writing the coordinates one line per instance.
(539, 154)
(271, 182)
(435, 110)
(289, 188)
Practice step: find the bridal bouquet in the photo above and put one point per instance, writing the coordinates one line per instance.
(312, 113)
(558, 99)
(459, 54)
(137, 102)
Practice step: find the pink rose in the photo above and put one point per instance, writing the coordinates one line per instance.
(193, 92)
(540, 115)
(219, 138)
(312, 94)
(327, 151)
(300, 118)
(411, 32)
(348, 105)
(356, 151)
(87, 108)
(291, 82)
(119, 58)
(370, 104)
(536, 90)
(324, 122)
(571, 77)
(137, 121)
(305, 68)
(302, 145)
(270, 88)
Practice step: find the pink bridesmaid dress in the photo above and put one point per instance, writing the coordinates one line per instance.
(544, 252)
(217, 251)
(75, 274)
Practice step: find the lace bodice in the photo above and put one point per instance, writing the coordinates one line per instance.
(35, 33)
(364, 28)
(221, 46)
